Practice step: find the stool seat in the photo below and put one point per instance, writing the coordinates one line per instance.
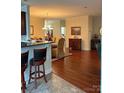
(36, 62)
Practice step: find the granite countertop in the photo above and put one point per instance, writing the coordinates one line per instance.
(27, 44)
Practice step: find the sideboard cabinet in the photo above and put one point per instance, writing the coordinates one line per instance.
(75, 44)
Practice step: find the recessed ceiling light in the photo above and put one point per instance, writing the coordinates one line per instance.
(85, 6)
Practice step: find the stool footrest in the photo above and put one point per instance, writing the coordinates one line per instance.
(37, 77)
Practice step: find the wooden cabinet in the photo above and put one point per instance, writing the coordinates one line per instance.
(75, 44)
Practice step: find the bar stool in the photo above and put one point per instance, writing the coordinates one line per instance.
(24, 61)
(37, 61)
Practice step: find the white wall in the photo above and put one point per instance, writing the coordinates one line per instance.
(97, 24)
(25, 8)
(90, 29)
(84, 23)
(37, 23)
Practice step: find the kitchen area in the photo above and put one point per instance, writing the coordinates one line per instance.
(29, 45)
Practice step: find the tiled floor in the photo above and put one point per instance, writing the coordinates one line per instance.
(55, 84)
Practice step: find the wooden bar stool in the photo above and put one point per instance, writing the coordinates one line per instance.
(24, 61)
(37, 61)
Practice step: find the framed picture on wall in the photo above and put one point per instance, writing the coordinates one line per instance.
(75, 30)
(31, 29)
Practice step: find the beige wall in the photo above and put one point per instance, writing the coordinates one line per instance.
(37, 24)
(85, 22)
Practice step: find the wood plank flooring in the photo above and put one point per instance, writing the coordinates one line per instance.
(82, 69)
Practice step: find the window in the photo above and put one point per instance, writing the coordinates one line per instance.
(63, 30)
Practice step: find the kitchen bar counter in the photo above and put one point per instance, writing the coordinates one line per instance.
(26, 46)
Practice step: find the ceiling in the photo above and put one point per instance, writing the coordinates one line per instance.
(64, 8)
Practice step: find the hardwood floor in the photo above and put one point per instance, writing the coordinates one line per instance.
(82, 69)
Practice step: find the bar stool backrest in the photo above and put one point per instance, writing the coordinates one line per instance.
(40, 54)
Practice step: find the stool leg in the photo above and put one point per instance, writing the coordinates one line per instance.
(30, 74)
(38, 71)
(44, 74)
(23, 82)
(35, 76)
